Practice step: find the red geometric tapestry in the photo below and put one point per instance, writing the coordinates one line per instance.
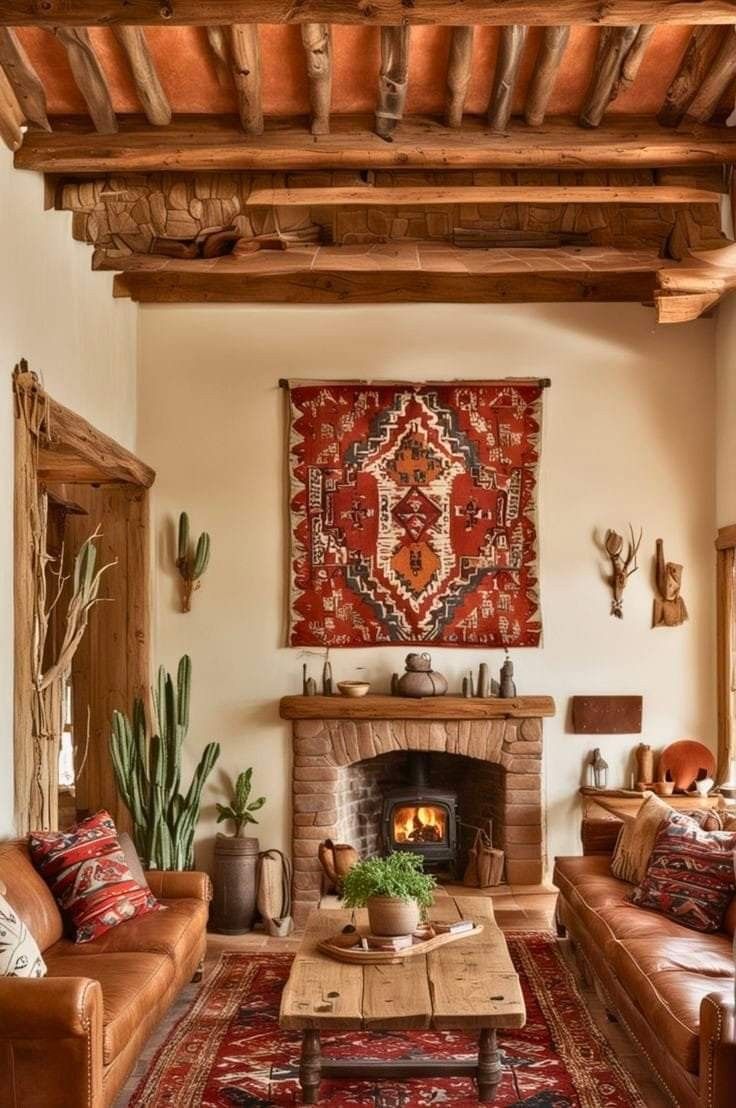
(413, 513)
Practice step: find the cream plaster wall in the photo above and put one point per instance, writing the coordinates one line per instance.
(628, 436)
(60, 316)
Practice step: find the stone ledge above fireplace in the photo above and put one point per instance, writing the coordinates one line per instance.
(340, 749)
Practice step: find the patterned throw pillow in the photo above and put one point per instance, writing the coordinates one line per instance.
(86, 871)
(19, 953)
(690, 876)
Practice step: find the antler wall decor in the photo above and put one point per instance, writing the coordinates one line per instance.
(670, 609)
(622, 566)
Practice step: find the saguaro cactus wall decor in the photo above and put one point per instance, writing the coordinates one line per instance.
(191, 561)
(148, 773)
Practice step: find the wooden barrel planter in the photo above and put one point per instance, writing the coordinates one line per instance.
(234, 885)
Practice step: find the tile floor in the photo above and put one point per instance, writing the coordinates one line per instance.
(517, 908)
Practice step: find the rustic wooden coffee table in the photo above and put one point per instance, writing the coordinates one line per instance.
(469, 985)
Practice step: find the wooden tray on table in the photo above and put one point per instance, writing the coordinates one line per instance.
(359, 957)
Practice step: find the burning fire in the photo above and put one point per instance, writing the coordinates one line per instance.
(420, 824)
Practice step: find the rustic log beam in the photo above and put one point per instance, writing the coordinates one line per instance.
(218, 41)
(510, 49)
(553, 46)
(688, 290)
(317, 40)
(408, 196)
(632, 62)
(83, 13)
(717, 80)
(393, 79)
(613, 46)
(148, 86)
(216, 143)
(245, 45)
(89, 77)
(24, 80)
(11, 117)
(440, 275)
(458, 73)
(699, 56)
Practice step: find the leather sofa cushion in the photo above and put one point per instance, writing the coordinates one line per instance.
(172, 932)
(29, 895)
(603, 906)
(667, 978)
(133, 988)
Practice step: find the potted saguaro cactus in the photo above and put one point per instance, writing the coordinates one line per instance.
(191, 561)
(148, 773)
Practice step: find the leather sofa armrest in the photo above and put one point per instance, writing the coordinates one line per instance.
(717, 1049)
(176, 884)
(49, 1007)
(51, 1042)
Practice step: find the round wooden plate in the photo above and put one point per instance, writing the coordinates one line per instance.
(684, 761)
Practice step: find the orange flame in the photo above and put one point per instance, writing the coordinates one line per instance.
(423, 823)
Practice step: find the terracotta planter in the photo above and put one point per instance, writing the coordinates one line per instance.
(233, 885)
(389, 915)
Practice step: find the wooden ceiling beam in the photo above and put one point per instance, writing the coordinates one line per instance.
(697, 284)
(459, 68)
(245, 46)
(613, 46)
(214, 143)
(88, 76)
(701, 51)
(716, 81)
(393, 79)
(410, 272)
(82, 13)
(218, 41)
(505, 74)
(24, 80)
(145, 77)
(426, 196)
(551, 50)
(317, 41)
(11, 117)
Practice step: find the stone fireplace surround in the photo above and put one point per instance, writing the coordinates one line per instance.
(340, 754)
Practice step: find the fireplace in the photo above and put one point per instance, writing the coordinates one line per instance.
(357, 779)
(420, 818)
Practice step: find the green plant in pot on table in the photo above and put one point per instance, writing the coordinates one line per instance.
(235, 871)
(395, 890)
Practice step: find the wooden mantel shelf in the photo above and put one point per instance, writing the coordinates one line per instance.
(400, 707)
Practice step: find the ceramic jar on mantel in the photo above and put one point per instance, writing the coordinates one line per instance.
(234, 885)
(420, 679)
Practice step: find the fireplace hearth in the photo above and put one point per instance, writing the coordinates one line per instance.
(420, 818)
(356, 779)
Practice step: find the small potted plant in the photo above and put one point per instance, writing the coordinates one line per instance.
(234, 879)
(394, 889)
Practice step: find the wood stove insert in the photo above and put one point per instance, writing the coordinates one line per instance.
(419, 818)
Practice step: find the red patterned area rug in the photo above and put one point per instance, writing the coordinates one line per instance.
(228, 1051)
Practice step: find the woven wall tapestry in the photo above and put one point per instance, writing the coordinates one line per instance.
(413, 513)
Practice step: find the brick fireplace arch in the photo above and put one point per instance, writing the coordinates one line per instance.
(332, 734)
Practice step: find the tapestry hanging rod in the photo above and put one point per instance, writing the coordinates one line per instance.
(542, 382)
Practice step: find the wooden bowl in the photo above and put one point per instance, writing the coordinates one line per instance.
(353, 688)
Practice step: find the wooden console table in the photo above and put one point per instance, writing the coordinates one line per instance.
(616, 803)
(470, 984)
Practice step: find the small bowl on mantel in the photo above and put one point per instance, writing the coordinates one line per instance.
(353, 688)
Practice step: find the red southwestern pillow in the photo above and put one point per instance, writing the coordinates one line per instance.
(690, 876)
(85, 869)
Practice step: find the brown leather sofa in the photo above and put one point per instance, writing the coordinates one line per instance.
(670, 987)
(69, 1040)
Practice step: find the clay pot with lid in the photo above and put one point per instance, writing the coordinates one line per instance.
(420, 679)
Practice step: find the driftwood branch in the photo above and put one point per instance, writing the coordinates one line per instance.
(510, 49)
(393, 80)
(317, 40)
(458, 73)
(553, 46)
